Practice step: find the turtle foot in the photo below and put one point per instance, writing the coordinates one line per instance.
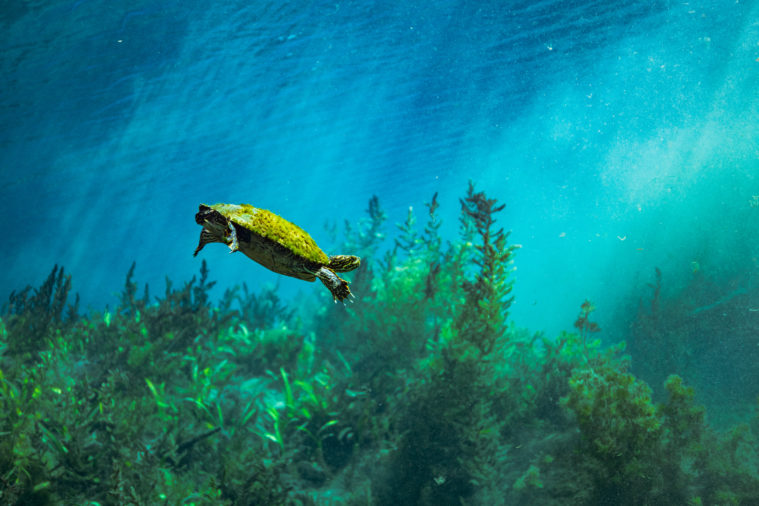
(337, 286)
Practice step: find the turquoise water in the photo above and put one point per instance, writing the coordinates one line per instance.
(621, 137)
(592, 123)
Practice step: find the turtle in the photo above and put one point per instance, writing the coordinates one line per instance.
(275, 243)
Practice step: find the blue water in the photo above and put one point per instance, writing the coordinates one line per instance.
(621, 136)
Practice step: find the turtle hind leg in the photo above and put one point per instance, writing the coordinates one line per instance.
(334, 283)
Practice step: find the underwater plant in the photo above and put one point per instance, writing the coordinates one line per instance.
(704, 322)
(117, 397)
(450, 432)
(420, 392)
(33, 315)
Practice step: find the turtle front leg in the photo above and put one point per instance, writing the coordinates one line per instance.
(232, 239)
(206, 237)
(336, 285)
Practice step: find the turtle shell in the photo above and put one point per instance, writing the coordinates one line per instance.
(275, 243)
(279, 241)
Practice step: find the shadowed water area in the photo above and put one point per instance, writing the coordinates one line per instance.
(537, 353)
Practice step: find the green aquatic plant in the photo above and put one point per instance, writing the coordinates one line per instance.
(420, 392)
(32, 316)
(431, 240)
(656, 453)
(482, 317)
(583, 323)
(451, 432)
(713, 468)
(620, 423)
(318, 416)
(305, 411)
(408, 240)
(660, 322)
(704, 318)
(530, 478)
(262, 310)
(388, 326)
(364, 239)
(22, 466)
(142, 391)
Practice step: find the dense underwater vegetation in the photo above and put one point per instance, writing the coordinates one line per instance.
(422, 391)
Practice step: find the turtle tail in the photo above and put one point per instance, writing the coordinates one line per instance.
(334, 283)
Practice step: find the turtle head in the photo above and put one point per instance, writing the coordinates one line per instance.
(215, 227)
(344, 263)
(211, 219)
(206, 214)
